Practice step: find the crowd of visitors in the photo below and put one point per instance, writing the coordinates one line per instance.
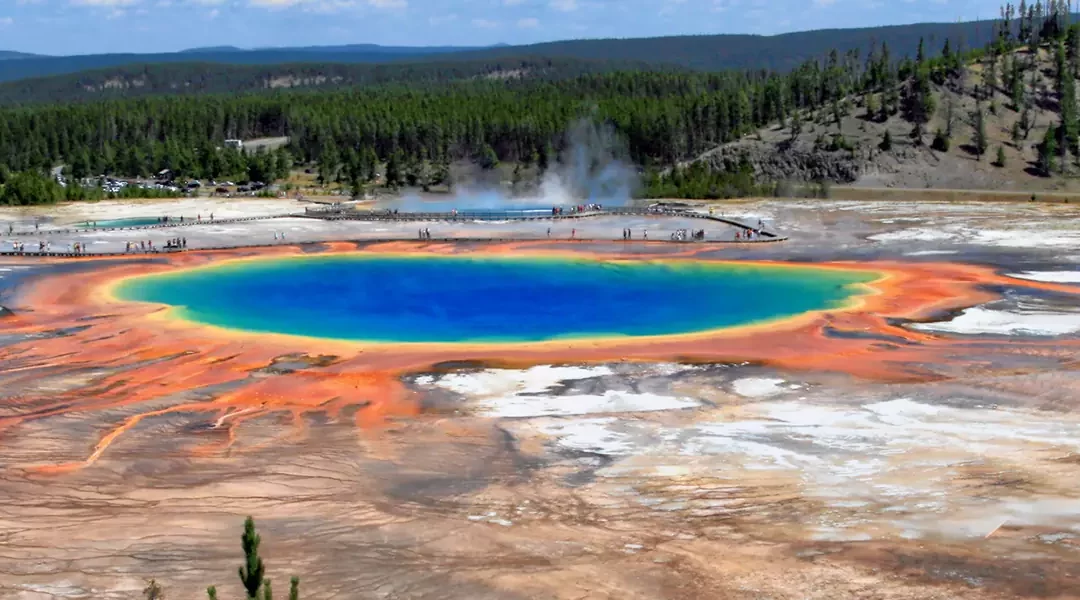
(682, 235)
(580, 208)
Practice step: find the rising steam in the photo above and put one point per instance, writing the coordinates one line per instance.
(592, 166)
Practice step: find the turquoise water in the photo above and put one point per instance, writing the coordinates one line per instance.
(129, 222)
(469, 299)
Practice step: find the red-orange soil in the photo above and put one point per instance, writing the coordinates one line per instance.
(141, 356)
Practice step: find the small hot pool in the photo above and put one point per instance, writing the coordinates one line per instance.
(117, 223)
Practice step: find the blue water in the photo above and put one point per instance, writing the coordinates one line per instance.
(113, 223)
(458, 299)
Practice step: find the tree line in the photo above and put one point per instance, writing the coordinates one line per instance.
(414, 132)
(662, 117)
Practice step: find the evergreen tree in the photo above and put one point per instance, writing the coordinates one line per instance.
(251, 574)
(487, 159)
(393, 170)
(1000, 160)
(1048, 152)
(990, 78)
(294, 588)
(1068, 125)
(886, 141)
(1024, 32)
(978, 124)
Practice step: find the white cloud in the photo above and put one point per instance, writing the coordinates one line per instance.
(275, 3)
(528, 23)
(327, 6)
(207, 2)
(442, 19)
(564, 5)
(823, 3)
(513, 2)
(484, 24)
(210, 16)
(5, 21)
(105, 3)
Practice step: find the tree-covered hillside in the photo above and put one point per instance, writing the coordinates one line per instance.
(208, 78)
(661, 118)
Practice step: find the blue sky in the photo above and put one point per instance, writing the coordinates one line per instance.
(95, 26)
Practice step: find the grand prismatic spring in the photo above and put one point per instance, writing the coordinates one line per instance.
(881, 406)
(417, 298)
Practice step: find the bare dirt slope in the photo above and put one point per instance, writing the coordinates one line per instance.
(778, 155)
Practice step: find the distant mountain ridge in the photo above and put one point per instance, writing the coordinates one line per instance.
(10, 55)
(701, 52)
(358, 48)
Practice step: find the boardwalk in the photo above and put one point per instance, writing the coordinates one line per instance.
(332, 214)
(476, 221)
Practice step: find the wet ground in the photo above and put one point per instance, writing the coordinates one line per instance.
(957, 476)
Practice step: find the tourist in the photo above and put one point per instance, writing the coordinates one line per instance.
(184, 243)
(646, 234)
(549, 232)
(573, 233)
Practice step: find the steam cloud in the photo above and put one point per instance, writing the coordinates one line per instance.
(593, 166)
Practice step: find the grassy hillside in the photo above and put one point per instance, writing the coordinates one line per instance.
(705, 52)
(846, 146)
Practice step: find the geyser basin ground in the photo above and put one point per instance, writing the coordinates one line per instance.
(447, 299)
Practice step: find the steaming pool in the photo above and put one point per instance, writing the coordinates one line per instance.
(473, 202)
(453, 299)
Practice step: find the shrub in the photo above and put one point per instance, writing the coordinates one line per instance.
(941, 141)
(886, 141)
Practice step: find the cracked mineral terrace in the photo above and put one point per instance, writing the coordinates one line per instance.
(925, 444)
